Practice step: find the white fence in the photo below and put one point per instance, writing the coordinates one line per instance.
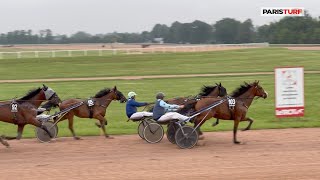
(124, 51)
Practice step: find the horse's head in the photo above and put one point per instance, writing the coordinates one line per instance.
(260, 92)
(222, 90)
(51, 96)
(213, 91)
(118, 95)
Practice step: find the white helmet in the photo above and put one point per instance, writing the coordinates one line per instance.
(131, 94)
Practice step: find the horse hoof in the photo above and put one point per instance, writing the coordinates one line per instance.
(201, 137)
(5, 143)
(109, 137)
(76, 138)
(98, 125)
(201, 143)
(236, 142)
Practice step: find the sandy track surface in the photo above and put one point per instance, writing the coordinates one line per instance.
(264, 154)
(142, 77)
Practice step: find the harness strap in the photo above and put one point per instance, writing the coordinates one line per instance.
(14, 110)
(90, 112)
(90, 103)
(231, 113)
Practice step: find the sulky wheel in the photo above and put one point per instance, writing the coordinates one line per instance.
(171, 132)
(142, 125)
(57, 129)
(153, 133)
(42, 135)
(186, 137)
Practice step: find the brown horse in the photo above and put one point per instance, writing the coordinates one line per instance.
(24, 110)
(190, 101)
(97, 111)
(206, 92)
(243, 98)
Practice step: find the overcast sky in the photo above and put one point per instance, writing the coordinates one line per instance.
(104, 16)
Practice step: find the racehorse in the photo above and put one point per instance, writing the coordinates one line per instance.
(190, 101)
(206, 92)
(96, 110)
(24, 110)
(243, 97)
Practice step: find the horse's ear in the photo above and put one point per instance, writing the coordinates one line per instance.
(220, 84)
(115, 88)
(45, 87)
(217, 84)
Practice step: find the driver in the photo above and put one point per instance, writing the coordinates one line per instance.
(163, 112)
(131, 107)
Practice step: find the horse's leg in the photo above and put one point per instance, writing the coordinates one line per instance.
(235, 129)
(4, 142)
(199, 124)
(98, 124)
(36, 123)
(249, 125)
(20, 130)
(19, 133)
(215, 123)
(198, 129)
(102, 124)
(70, 119)
(9, 137)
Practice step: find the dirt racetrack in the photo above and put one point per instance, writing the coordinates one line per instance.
(264, 154)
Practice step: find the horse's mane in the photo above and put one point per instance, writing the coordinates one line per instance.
(206, 90)
(30, 94)
(102, 92)
(242, 89)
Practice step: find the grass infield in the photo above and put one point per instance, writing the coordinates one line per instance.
(262, 110)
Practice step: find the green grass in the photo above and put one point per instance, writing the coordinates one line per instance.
(262, 110)
(246, 60)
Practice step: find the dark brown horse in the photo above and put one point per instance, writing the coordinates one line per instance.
(243, 96)
(190, 101)
(24, 110)
(206, 92)
(97, 111)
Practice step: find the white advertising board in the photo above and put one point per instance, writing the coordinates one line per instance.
(289, 91)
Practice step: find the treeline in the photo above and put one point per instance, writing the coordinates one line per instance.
(288, 30)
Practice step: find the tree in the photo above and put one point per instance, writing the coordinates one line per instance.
(80, 37)
(246, 32)
(226, 30)
(159, 31)
(201, 32)
(174, 35)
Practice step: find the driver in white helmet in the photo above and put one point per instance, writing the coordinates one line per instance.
(131, 107)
